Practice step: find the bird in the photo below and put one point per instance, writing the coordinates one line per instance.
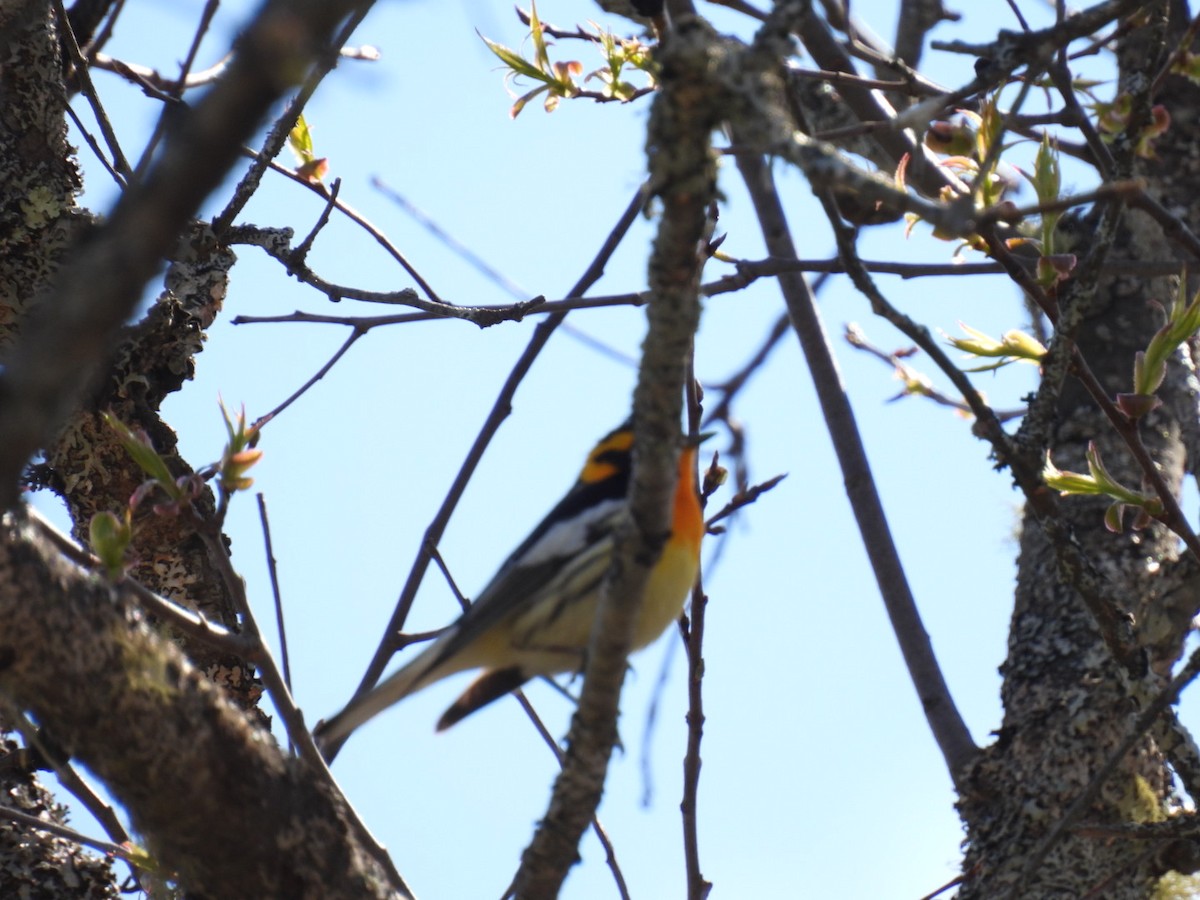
(536, 614)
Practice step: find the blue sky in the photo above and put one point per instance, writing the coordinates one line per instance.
(820, 777)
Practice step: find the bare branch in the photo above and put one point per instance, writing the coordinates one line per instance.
(67, 338)
(273, 572)
(79, 649)
(916, 19)
(947, 724)
(1013, 49)
(683, 174)
(15, 815)
(89, 91)
(324, 57)
(741, 500)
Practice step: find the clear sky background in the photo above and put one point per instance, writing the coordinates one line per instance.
(820, 776)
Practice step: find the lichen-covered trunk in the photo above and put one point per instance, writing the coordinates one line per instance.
(1067, 704)
(38, 183)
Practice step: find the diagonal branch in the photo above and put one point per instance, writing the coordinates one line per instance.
(176, 752)
(947, 724)
(391, 641)
(67, 338)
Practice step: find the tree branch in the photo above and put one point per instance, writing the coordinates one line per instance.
(174, 749)
(949, 729)
(683, 174)
(66, 340)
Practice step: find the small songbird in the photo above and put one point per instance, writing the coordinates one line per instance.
(536, 615)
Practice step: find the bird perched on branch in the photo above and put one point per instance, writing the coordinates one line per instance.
(536, 615)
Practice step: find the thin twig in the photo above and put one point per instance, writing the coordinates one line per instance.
(733, 385)
(1173, 227)
(95, 146)
(436, 555)
(75, 785)
(740, 500)
(278, 136)
(152, 83)
(1116, 189)
(317, 376)
(277, 245)
(106, 30)
(276, 596)
(896, 86)
(1017, 12)
(692, 626)
(186, 621)
(300, 252)
(741, 6)
(185, 68)
(21, 818)
(281, 696)
(748, 272)
(916, 383)
(493, 274)
(698, 887)
(171, 92)
(460, 249)
(937, 892)
(1101, 157)
(610, 853)
(120, 164)
(351, 213)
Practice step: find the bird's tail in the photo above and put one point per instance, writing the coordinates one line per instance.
(332, 733)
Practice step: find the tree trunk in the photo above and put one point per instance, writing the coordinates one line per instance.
(1067, 702)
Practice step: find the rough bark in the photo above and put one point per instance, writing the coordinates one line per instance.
(181, 754)
(38, 219)
(1067, 703)
(220, 808)
(215, 799)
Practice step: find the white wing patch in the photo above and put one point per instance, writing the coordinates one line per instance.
(570, 537)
